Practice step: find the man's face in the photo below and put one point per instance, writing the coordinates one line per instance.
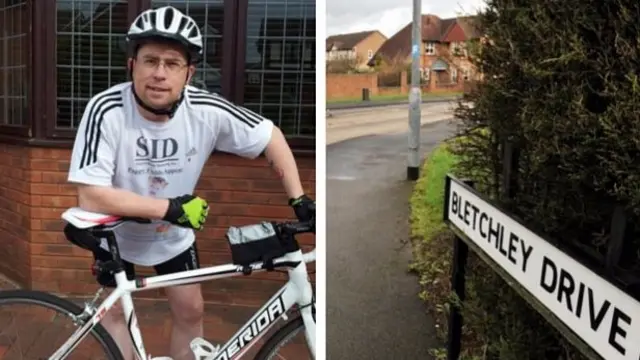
(160, 72)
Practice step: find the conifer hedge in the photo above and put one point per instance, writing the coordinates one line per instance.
(561, 84)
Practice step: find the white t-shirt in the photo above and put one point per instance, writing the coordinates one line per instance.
(115, 146)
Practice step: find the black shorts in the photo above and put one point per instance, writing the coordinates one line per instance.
(187, 260)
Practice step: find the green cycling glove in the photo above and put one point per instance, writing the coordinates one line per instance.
(187, 211)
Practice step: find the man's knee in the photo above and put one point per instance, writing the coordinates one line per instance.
(187, 305)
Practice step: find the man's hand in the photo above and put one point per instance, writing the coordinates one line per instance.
(187, 211)
(304, 207)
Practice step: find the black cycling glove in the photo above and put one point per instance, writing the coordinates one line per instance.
(304, 207)
(187, 211)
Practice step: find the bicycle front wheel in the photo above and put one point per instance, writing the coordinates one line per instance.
(31, 312)
(286, 335)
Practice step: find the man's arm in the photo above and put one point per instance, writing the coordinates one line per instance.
(93, 163)
(245, 133)
(282, 161)
(113, 201)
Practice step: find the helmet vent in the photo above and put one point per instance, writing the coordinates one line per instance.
(168, 18)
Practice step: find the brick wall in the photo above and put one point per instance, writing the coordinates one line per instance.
(34, 193)
(15, 213)
(350, 85)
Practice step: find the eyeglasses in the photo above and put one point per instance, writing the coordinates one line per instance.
(172, 66)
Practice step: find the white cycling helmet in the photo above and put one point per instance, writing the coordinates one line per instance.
(167, 22)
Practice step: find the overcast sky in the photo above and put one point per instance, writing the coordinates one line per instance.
(344, 16)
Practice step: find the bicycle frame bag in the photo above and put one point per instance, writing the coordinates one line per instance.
(255, 243)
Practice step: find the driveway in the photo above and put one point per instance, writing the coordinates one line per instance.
(373, 309)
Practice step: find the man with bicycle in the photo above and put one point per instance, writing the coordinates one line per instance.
(140, 149)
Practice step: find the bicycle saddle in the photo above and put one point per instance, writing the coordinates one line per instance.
(83, 219)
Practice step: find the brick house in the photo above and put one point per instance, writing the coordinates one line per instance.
(54, 55)
(444, 50)
(358, 47)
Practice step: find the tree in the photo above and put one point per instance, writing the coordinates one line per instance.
(344, 65)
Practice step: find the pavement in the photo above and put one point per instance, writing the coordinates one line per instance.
(373, 308)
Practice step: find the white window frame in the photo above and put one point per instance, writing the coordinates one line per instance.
(430, 48)
(426, 72)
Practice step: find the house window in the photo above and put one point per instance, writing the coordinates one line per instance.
(275, 53)
(91, 57)
(14, 25)
(286, 89)
(89, 54)
(455, 48)
(466, 74)
(458, 49)
(308, 54)
(429, 48)
(209, 15)
(85, 54)
(369, 54)
(454, 75)
(425, 73)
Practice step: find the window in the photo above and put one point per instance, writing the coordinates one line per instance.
(454, 75)
(455, 48)
(280, 64)
(429, 48)
(425, 74)
(90, 53)
(14, 25)
(369, 54)
(458, 49)
(210, 16)
(466, 74)
(264, 60)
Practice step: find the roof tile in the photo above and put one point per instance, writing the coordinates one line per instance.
(347, 41)
(432, 28)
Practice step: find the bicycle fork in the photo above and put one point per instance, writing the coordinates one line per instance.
(300, 278)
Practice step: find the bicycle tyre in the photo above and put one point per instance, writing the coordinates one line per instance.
(280, 336)
(62, 306)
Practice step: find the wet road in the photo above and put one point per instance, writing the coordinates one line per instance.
(351, 123)
(373, 309)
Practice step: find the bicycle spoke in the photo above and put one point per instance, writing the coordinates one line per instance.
(289, 342)
(32, 328)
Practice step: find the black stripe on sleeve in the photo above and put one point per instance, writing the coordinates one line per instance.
(99, 129)
(98, 109)
(245, 115)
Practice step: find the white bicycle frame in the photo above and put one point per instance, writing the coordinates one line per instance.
(297, 291)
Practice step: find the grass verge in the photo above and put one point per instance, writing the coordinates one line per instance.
(431, 241)
(393, 97)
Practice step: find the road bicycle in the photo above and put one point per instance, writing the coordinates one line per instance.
(272, 244)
